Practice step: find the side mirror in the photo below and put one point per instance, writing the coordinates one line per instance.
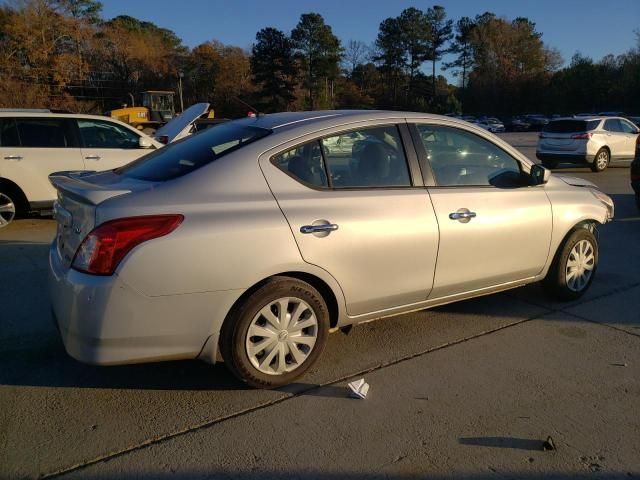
(144, 142)
(539, 174)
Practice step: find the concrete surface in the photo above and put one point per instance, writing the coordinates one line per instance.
(470, 389)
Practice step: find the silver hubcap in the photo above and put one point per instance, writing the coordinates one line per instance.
(580, 265)
(7, 210)
(602, 160)
(281, 336)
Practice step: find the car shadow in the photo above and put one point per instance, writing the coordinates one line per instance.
(503, 442)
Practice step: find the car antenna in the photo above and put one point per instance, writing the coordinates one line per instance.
(254, 110)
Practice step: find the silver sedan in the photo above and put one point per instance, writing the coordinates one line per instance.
(256, 239)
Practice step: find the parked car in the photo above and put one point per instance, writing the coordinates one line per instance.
(492, 124)
(35, 144)
(517, 124)
(595, 141)
(536, 122)
(635, 172)
(252, 239)
(611, 114)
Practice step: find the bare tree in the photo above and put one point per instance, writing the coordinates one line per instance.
(355, 54)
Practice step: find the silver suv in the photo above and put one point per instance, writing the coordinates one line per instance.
(596, 141)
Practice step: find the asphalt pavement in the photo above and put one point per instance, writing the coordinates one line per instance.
(472, 389)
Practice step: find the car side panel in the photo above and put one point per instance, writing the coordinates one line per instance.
(570, 207)
(31, 171)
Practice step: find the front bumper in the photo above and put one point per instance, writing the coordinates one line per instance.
(104, 321)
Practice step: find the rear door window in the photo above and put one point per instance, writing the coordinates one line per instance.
(369, 158)
(45, 132)
(9, 136)
(102, 134)
(613, 125)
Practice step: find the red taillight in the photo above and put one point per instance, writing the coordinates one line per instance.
(103, 249)
(582, 136)
(163, 139)
(638, 140)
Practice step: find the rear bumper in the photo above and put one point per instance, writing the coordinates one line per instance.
(565, 157)
(103, 321)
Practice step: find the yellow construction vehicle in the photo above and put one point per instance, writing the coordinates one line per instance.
(156, 110)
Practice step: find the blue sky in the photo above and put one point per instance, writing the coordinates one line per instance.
(593, 27)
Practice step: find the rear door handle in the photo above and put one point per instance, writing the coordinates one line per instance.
(323, 227)
(92, 157)
(463, 215)
(13, 157)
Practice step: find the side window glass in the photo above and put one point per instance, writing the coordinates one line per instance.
(43, 132)
(9, 136)
(304, 163)
(627, 127)
(100, 134)
(460, 158)
(372, 157)
(612, 125)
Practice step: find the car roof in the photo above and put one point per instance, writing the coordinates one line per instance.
(46, 114)
(586, 118)
(293, 120)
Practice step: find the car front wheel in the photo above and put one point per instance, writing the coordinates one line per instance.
(276, 334)
(8, 208)
(574, 266)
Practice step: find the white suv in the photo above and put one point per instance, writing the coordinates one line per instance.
(596, 141)
(34, 144)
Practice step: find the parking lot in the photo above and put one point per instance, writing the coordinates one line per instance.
(470, 389)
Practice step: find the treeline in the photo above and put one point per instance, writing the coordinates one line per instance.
(62, 54)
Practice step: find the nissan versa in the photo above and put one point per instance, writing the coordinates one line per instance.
(257, 238)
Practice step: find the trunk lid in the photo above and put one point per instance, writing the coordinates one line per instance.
(79, 194)
(175, 129)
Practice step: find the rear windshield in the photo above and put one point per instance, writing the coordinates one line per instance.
(185, 156)
(570, 126)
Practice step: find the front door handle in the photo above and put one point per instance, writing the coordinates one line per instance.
(92, 157)
(321, 228)
(462, 215)
(13, 157)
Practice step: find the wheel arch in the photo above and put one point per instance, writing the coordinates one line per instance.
(590, 224)
(328, 295)
(14, 188)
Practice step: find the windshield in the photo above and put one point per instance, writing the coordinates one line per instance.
(187, 155)
(570, 126)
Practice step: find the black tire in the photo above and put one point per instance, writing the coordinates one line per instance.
(638, 200)
(11, 194)
(601, 166)
(233, 336)
(550, 164)
(555, 283)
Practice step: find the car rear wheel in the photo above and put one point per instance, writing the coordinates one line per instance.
(274, 336)
(601, 160)
(574, 266)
